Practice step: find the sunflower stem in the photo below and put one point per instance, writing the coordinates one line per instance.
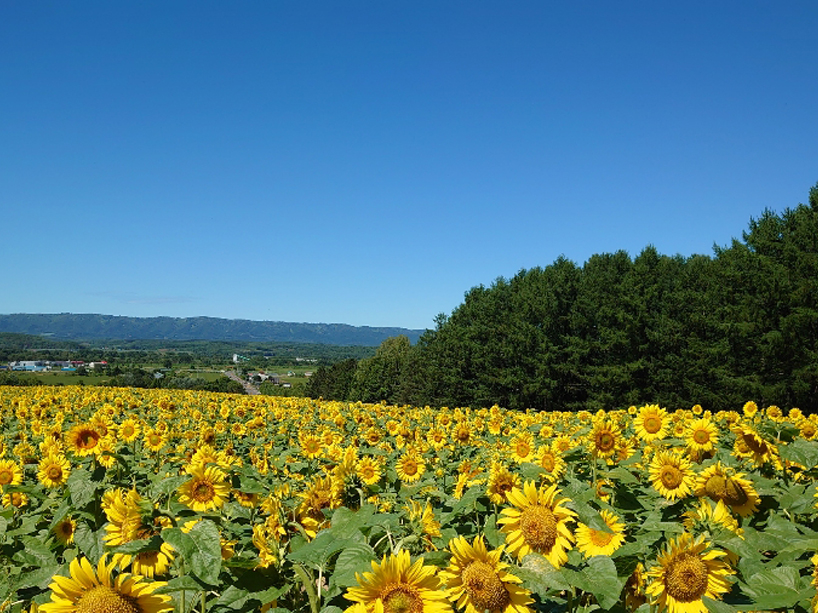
(303, 575)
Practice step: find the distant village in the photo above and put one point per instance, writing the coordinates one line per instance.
(51, 365)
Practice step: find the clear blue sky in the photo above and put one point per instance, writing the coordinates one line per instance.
(369, 162)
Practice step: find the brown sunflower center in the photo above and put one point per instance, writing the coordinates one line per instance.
(547, 462)
(128, 431)
(65, 528)
(410, 467)
(203, 491)
(652, 424)
(686, 578)
(754, 444)
(671, 476)
(605, 441)
(402, 599)
(734, 494)
(523, 449)
(485, 589)
(5, 477)
(600, 538)
(701, 436)
(463, 434)
(539, 528)
(88, 439)
(54, 472)
(102, 599)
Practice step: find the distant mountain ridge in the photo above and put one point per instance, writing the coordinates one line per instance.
(96, 327)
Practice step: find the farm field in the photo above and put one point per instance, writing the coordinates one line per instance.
(141, 501)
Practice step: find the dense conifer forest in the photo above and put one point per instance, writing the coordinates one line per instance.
(715, 330)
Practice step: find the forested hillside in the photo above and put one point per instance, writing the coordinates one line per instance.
(93, 326)
(714, 330)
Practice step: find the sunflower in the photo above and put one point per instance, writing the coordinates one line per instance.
(10, 473)
(15, 499)
(477, 580)
(64, 530)
(129, 430)
(651, 424)
(322, 493)
(718, 482)
(702, 436)
(603, 438)
(90, 591)
(311, 446)
(424, 517)
(591, 542)
(538, 522)
(672, 475)
(368, 470)
(750, 445)
(522, 447)
(501, 482)
(83, 439)
(125, 524)
(397, 585)
(410, 467)
(206, 490)
(550, 461)
(687, 571)
(53, 470)
(154, 440)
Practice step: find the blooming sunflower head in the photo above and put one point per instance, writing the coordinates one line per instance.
(90, 590)
(478, 581)
(397, 585)
(672, 475)
(53, 470)
(207, 488)
(652, 423)
(687, 571)
(592, 542)
(538, 523)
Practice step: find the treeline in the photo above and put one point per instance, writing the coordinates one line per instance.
(714, 330)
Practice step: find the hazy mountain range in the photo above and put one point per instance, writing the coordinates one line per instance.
(94, 326)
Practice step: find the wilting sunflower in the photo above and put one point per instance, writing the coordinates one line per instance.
(83, 439)
(672, 475)
(719, 482)
(53, 470)
(206, 490)
(687, 571)
(538, 523)
(10, 473)
(477, 580)
(652, 423)
(591, 542)
(397, 585)
(90, 591)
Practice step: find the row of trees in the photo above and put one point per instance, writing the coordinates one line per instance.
(715, 330)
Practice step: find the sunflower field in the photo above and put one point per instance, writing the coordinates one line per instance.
(118, 500)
